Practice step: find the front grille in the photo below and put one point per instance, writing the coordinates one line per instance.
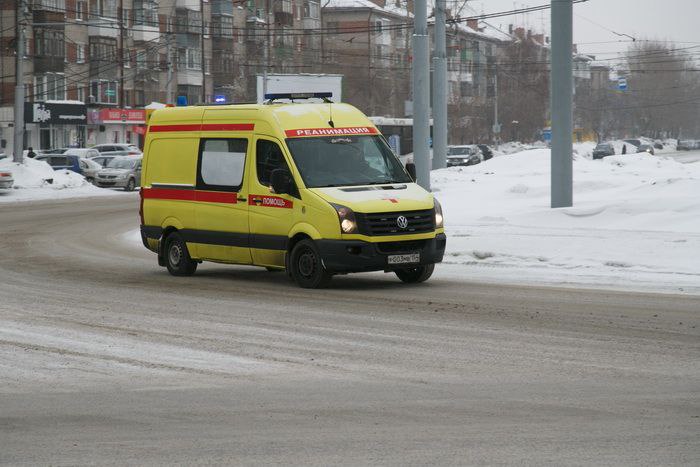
(385, 223)
(400, 247)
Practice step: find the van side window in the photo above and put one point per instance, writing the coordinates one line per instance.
(268, 158)
(221, 163)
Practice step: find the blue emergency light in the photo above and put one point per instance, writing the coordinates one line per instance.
(298, 95)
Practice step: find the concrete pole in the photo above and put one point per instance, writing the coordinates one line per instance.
(169, 61)
(18, 141)
(421, 94)
(496, 126)
(561, 103)
(440, 88)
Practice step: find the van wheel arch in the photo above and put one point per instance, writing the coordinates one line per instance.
(290, 246)
(161, 245)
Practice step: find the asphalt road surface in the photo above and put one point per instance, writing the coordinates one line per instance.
(107, 359)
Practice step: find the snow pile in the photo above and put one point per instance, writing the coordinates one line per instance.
(35, 180)
(635, 221)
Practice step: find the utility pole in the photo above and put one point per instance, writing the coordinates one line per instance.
(561, 103)
(421, 94)
(169, 64)
(266, 51)
(496, 126)
(18, 141)
(120, 59)
(203, 61)
(440, 87)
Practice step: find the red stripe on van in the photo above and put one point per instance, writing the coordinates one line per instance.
(169, 193)
(157, 128)
(228, 126)
(204, 127)
(191, 195)
(216, 196)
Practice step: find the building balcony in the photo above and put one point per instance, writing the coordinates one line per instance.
(103, 27)
(146, 33)
(189, 4)
(189, 77)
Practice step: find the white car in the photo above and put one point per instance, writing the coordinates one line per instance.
(118, 149)
(82, 152)
(6, 180)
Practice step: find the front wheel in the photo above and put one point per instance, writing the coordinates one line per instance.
(416, 274)
(177, 258)
(306, 267)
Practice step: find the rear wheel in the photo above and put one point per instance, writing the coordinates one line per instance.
(130, 185)
(416, 274)
(177, 258)
(306, 267)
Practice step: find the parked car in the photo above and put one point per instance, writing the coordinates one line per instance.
(52, 151)
(121, 172)
(118, 150)
(463, 155)
(658, 144)
(6, 180)
(82, 152)
(635, 142)
(90, 168)
(644, 147)
(685, 145)
(485, 151)
(603, 150)
(62, 161)
(103, 160)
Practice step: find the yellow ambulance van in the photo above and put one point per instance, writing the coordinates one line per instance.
(310, 188)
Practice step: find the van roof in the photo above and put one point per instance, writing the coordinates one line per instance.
(286, 116)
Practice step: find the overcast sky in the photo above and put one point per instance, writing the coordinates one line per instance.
(673, 20)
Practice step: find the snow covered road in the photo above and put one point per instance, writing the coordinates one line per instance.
(106, 359)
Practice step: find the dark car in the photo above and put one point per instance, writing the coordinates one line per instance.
(463, 155)
(603, 150)
(646, 148)
(686, 145)
(485, 151)
(634, 142)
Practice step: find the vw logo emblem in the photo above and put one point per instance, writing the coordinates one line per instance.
(402, 222)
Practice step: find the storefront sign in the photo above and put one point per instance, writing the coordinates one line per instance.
(55, 113)
(126, 116)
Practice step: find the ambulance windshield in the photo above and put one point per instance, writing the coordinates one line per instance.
(345, 161)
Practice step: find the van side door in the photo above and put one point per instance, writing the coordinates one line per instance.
(221, 212)
(271, 214)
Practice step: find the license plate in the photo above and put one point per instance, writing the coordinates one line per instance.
(404, 259)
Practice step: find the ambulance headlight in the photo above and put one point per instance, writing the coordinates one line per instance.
(346, 217)
(438, 214)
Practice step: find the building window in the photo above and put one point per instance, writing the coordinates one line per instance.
(222, 26)
(81, 92)
(189, 59)
(104, 91)
(104, 8)
(49, 86)
(49, 42)
(103, 49)
(378, 27)
(311, 9)
(80, 53)
(80, 8)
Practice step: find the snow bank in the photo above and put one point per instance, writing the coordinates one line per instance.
(635, 221)
(32, 182)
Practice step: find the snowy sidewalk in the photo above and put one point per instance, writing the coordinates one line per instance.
(635, 223)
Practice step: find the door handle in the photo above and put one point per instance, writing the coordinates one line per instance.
(242, 199)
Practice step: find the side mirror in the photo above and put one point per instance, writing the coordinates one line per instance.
(411, 169)
(280, 181)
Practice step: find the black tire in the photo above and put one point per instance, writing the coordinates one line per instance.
(306, 267)
(177, 258)
(415, 275)
(130, 185)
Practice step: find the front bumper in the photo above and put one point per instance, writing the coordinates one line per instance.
(111, 183)
(359, 256)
